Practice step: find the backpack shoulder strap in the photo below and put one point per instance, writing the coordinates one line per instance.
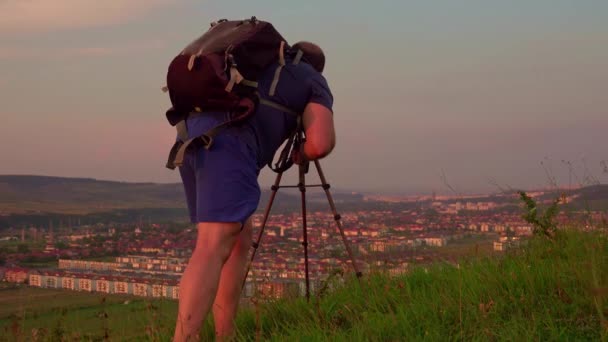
(278, 106)
(277, 73)
(298, 57)
(182, 130)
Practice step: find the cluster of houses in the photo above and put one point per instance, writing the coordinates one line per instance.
(402, 243)
(109, 283)
(93, 282)
(504, 243)
(143, 263)
(271, 278)
(156, 275)
(455, 208)
(278, 268)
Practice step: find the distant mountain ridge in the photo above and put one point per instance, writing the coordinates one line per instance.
(30, 194)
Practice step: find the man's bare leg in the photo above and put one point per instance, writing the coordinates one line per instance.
(231, 285)
(199, 283)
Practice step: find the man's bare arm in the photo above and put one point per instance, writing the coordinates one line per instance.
(318, 123)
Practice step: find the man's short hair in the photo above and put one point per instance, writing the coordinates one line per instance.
(313, 54)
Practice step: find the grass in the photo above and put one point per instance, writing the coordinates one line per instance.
(39, 264)
(547, 290)
(102, 258)
(26, 311)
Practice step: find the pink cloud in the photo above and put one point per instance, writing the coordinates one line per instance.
(93, 51)
(45, 15)
(22, 52)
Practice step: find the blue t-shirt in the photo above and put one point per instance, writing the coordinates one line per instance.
(221, 183)
(268, 128)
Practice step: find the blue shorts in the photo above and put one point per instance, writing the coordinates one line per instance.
(221, 183)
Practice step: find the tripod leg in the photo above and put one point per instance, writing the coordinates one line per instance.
(337, 217)
(302, 186)
(256, 244)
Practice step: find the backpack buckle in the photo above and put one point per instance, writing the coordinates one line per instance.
(207, 141)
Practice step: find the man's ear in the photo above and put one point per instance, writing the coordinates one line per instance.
(313, 54)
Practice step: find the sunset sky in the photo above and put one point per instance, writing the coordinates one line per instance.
(480, 91)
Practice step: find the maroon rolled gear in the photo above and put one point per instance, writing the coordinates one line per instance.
(219, 72)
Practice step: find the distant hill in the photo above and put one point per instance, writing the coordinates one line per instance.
(76, 196)
(42, 194)
(38, 200)
(594, 193)
(592, 197)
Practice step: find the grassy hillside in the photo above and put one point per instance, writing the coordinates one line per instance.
(548, 290)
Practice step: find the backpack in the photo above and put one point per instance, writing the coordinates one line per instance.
(219, 72)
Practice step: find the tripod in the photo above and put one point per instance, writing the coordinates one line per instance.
(303, 169)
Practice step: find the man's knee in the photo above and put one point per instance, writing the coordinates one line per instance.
(245, 238)
(216, 240)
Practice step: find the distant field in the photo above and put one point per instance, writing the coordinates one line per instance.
(476, 245)
(39, 265)
(472, 246)
(12, 245)
(71, 314)
(102, 258)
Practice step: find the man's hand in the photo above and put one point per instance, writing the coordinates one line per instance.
(298, 157)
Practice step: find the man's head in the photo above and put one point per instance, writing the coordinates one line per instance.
(313, 54)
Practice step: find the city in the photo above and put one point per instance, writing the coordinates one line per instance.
(147, 259)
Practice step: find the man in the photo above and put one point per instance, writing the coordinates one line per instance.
(223, 192)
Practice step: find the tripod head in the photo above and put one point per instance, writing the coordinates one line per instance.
(303, 164)
(291, 151)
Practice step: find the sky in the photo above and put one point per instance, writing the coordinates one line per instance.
(469, 96)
